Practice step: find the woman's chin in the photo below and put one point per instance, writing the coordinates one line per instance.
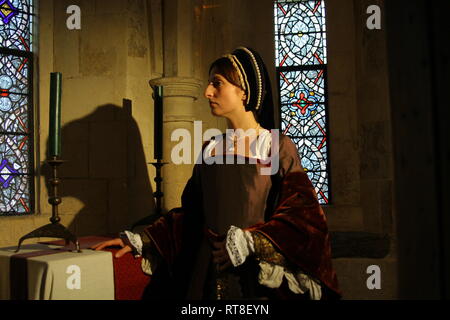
(215, 113)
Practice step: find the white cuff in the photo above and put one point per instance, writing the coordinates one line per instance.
(272, 275)
(135, 241)
(239, 245)
(148, 264)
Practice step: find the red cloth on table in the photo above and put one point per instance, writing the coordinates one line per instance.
(129, 279)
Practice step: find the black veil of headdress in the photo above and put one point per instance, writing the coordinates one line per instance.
(265, 112)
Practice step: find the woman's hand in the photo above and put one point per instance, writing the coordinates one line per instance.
(219, 251)
(220, 255)
(114, 242)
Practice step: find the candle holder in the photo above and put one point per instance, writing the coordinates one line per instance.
(158, 194)
(53, 229)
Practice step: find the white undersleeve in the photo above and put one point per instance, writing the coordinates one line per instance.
(240, 245)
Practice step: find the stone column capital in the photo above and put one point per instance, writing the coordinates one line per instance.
(178, 86)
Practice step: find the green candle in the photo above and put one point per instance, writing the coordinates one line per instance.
(158, 122)
(55, 115)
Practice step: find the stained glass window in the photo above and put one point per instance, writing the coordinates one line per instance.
(16, 111)
(301, 62)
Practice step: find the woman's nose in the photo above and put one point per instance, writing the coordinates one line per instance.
(209, 91)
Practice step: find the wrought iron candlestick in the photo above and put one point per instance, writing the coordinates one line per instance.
(158, 194)
(158, 154)
(158, 141)
(53, 229)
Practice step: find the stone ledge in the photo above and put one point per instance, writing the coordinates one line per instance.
(359, 245)
(352, 274)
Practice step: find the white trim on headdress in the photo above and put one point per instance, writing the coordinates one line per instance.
(258, 76)
(241, 73)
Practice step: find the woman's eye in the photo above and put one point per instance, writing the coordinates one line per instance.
(217, 83)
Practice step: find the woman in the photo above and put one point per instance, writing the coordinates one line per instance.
(240, 233)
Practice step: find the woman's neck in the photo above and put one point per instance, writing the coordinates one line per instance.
(243, 122)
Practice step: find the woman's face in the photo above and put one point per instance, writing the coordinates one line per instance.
(225, 99)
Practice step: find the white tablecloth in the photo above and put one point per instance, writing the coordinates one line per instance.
(87, 275)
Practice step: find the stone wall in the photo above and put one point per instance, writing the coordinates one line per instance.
(360, 145)
(107, 117)
(419, 81)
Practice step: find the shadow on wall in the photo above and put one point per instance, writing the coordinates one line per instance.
(105, 186)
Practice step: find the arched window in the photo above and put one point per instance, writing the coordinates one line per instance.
(301, 62)
(16, 108)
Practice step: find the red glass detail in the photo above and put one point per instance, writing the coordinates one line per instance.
(322, 142)
(284, 60)
(24, 43)
(23, 142)
(281, 8)
(302, 103)
(285, 79)
(317, 6)
(23, 64)
(23, 125)
(318, 76)
(318, 58)
(24, 205)
(287, 128)
(320, 127)
(323, 196)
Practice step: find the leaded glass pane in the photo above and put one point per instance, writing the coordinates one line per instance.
(16, 129)
(300, 42)
(300, 36)
(15, 24)
(14, 113)
(320, 180)
(313, 154)
(14, 193)
(294, 124)
(305, 88)
(13, 74)
(14, 150)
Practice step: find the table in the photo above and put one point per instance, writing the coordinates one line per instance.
(47, 271)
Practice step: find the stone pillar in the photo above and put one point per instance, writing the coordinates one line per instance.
(178, 100)
(181, 89)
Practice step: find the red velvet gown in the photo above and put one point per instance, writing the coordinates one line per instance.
(283, 207)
